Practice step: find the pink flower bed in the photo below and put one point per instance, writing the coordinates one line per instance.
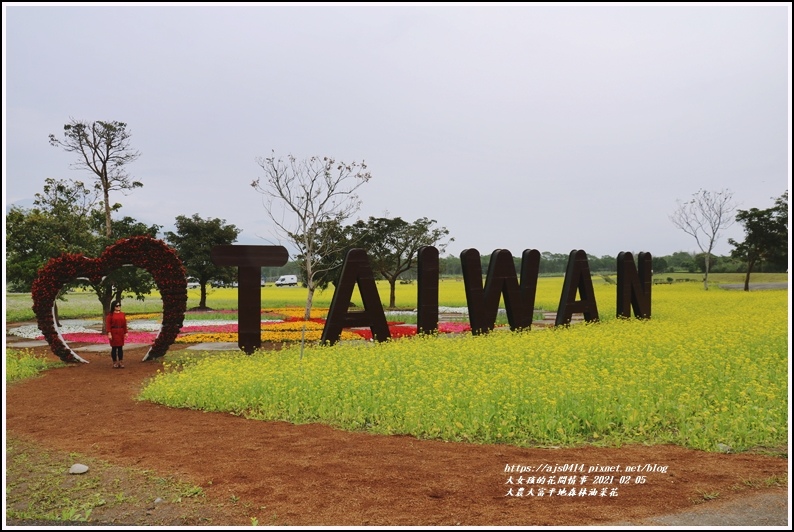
(453, 327)
(99, 338)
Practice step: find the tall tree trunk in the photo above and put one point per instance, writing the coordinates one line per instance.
(706, 278)
(108, 224)
(203, 299)
(310, 285)
(392, 283)
(750, 265)
(105, 296)
(309, 298)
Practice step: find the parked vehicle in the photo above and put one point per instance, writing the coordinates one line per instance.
(287, 280)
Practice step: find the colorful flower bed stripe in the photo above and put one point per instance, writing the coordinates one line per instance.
(287, 331)
(267, 336)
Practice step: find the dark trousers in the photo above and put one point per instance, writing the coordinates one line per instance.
(117, 352)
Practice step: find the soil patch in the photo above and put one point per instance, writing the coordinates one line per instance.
(315, 475)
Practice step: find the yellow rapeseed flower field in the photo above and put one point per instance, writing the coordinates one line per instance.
(710, 368)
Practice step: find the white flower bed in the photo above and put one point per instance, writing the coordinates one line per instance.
(32, 332)
(144, 326)
(453, 310)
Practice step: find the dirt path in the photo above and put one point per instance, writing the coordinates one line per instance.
(314, 475)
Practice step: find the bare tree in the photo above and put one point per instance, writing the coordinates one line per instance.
(312, 193)
(104, 149)
(704, 217)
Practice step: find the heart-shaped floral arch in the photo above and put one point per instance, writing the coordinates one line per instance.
(141, 251)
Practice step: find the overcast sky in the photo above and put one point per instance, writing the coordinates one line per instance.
(554, 127)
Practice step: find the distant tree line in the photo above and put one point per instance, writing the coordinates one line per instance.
(554, 264)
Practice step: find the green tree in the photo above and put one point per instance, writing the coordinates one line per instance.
(393, 244)
(604, 263)
(765, 236)
(302, 196)
(59, 222)
(659, 265)
(26, 231)
(450, 266)
(704, 217)
(103, 148)
(552, 262)
(193, 241)
(681, 261)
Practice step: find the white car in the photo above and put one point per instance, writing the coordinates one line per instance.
(287, 280)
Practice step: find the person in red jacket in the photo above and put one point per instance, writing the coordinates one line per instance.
(116, 325)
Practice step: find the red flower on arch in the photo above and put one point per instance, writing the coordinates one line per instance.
(141, 251)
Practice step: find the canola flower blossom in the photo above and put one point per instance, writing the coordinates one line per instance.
(708, 370)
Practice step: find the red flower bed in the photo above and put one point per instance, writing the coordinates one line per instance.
(400, 330)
